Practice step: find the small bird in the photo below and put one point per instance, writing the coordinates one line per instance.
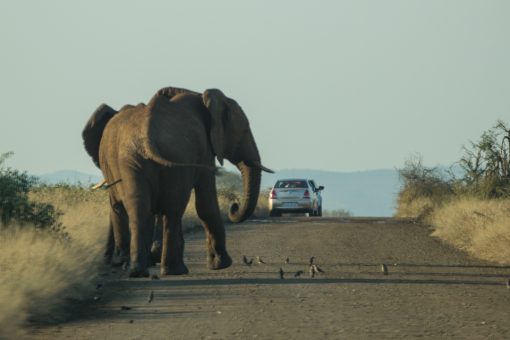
(311, 271)
(311, 260)
(125, 308)
(125, 266)
(281, 272)
(151, 297)
(154, 277)
(246, 262)
(298, 273)
(508, 283)
(384, 269)
(287, 260)
(317, 269)
(260, 261)
(97, 298)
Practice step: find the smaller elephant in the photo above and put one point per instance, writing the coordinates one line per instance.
(154, 155)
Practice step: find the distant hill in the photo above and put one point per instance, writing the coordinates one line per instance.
(362, 193)
(69, 177)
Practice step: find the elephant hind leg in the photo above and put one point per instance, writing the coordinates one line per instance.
(119, 233)
(141, 225)
(110, 245)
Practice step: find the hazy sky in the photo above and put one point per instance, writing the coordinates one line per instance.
(331, 85)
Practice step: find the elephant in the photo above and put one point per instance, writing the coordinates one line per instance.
(153, 155)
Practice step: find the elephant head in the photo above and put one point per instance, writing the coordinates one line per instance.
(94, 130)
(232, 139)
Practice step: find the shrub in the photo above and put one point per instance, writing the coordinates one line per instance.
(15, 204)
(337, 213)
(423, 189)
(486, 165)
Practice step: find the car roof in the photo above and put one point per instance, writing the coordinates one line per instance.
(294, 179)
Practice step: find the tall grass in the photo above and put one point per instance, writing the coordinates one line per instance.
(479, 227)
(40, 269)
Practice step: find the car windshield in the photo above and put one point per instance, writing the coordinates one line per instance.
(291, 184)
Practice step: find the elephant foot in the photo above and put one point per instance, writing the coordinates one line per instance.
(216, 261)
(179, 269)
(137, 271)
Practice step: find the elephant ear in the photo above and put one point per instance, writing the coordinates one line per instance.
(94, 128)
(216, 103)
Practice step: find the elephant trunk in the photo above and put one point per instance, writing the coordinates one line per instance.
(251, 186)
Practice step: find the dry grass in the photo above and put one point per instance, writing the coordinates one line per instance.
(39, 270)
(419, 208)
(480, 227)
(477, 226)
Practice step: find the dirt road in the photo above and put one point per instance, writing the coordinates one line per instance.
(431, 290)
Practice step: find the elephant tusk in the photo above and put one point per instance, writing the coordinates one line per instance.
(263, 168)
(108, 186)
(99, 185)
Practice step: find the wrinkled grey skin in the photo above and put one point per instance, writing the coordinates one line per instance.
(157, 154)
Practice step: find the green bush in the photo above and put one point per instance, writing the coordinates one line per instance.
(14, 202)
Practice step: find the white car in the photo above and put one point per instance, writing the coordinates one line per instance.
(295, 195)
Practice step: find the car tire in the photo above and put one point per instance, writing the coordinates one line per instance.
(319, 212)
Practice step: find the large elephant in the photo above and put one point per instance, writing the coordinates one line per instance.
(154, 155)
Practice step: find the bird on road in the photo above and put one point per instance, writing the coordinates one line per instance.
(508, 283)
(311, 260)
(154, 277)
(151, 297)
(298, 273)
(260, 261)
(281, 272)
(317, 269)
(287, 260)
(246, 262)
(384, 269)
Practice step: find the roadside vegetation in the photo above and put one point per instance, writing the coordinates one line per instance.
(468, 206)
(336, 213)
(52, 241)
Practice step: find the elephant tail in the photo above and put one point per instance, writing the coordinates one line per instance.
(150, 151)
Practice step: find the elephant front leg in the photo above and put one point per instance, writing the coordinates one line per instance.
(217, 256)
(209, 212)
(172, 261)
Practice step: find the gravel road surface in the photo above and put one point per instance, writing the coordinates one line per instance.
(430, 291)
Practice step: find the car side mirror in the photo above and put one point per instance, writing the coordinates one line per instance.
(321, 187)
